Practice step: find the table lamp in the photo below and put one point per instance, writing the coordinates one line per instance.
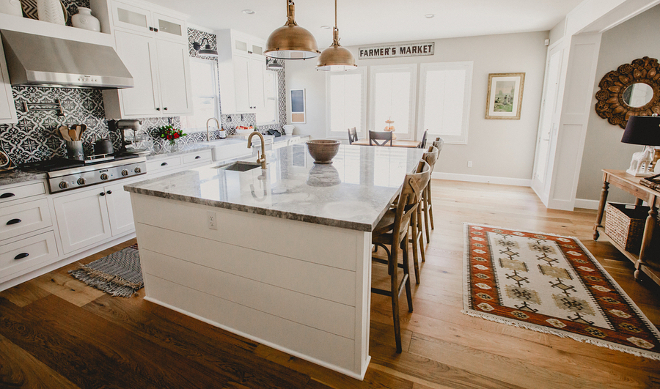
(642, 130)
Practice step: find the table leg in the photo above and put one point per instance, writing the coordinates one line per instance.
(639, 202)
(601, 206)
(646, 240)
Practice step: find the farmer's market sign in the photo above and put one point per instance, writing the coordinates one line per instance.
(393, 51)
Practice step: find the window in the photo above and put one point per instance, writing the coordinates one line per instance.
(445, 100)
(346, 97)
(270, 114)
(393, 98)
(203, 77)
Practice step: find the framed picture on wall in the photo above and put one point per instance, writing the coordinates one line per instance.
(505, 93)
(298, 106)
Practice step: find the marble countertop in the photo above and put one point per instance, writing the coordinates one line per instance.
(353, 192)
(15, 176)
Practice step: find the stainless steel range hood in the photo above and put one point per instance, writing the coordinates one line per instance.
(42, 60)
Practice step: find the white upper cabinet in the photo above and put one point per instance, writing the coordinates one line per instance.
(132, 18)
(170, 28)
(242, 67)
(174, 72)
(7, 108)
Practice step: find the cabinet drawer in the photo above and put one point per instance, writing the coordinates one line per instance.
(23, 218)
(21, 192)
(201, 156)
(26, 253)
(163, 164)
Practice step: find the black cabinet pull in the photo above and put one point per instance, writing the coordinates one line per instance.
(164, 108)
(109, 192)
(151, 28)
(6, 195)
(155, 29)
(198, 157)
(163, 164)
(157, 109)
(102, 194)
(13, 221)
(21, 256)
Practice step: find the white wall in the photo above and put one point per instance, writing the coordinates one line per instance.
(603, 148)
(497, 148)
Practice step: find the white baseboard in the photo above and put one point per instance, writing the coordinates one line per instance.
(586, 204)
(483, 179)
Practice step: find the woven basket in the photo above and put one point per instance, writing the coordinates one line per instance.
(624, 224)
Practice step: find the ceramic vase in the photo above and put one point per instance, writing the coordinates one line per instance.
(11, 7)
(84, 19)
(51, 11)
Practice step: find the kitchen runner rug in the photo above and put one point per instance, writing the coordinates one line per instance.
(118, 274)
(552, 284)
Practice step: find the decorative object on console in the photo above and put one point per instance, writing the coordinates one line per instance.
(631, 90)
(642, 130)
(205, 49)
(291, 41)
(652, 182)
(323, 150)
(505, 93)
(52, 11)
(84, 19)
(336, 58)
(551, 284)
(11, 7)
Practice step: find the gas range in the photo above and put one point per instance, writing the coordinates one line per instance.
(67, 174)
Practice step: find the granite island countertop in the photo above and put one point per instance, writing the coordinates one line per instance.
(353, 192)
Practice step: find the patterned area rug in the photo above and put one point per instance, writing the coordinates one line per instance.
(118, 274)
(551, 284)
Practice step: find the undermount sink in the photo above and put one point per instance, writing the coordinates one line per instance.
(240, 166)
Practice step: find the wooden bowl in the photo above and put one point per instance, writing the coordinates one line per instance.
(323, 150)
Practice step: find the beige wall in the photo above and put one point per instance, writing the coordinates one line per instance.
(497, 148)
(603, 149)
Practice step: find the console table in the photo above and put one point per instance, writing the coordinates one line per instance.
(622, 180)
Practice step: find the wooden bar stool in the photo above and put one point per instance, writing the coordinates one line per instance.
(392, 230)
(431, 157)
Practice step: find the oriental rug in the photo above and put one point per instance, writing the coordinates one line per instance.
(551, 284)
(118, 274)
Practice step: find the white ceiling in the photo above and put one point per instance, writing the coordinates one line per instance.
(379, 21)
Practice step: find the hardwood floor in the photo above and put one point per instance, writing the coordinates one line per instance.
(57, 332)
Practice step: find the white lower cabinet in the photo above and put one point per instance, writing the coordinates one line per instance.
(35, 251)
(120, 211)
(82, 218)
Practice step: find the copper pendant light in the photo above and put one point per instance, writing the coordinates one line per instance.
(336, 58)
(291, 41)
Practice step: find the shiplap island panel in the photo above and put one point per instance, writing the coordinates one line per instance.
(288, 263)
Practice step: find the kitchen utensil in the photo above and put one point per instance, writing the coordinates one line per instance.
(72, 134)
(64, 130)
(323, 150)
(78, 131)
(103, 146)
(74, 150)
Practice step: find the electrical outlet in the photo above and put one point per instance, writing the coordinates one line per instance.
(212, 220)
(469, 163)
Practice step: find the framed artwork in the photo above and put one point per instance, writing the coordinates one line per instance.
(298, 106)
(505, 94)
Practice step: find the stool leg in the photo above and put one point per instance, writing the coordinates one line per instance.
(414, 224)
(420, 238)
(430, 206)
(394, 287)
(426, 217)
(406, 272)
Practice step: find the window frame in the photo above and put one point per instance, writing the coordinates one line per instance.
(362, 71)
(408, 67)
(468, 66)
(216, 89)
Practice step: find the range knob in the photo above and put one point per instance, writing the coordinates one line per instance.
(104, 176)
(137, 170)
(63, 185)
(124, 172)
(81, 181)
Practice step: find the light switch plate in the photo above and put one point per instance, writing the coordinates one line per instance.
(212, 220)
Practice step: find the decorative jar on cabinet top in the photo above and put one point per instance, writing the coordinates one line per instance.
(11, 7)
(84, 19)
(51, 11)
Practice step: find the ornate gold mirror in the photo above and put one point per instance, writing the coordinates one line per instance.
(631, 90)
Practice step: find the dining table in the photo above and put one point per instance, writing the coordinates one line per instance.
(412, 144)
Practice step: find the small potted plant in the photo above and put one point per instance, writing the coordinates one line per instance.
(169, 134)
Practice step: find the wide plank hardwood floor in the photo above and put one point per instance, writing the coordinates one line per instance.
(56, 332)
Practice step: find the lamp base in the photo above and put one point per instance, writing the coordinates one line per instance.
(641, 162)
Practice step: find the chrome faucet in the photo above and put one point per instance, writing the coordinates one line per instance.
(262, 158)
(208, 136)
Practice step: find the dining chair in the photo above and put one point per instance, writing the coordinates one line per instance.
(393, 230)
(422, 144)
(438, 143)
(384, 136)
(352, 135)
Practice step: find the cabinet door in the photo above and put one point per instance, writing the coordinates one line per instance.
(7, 108)
(257, 67)
(120, 211)
(131, 17)
(138, 52)
(241, 83)
(174, 76)
(82, 218)
(170, 28)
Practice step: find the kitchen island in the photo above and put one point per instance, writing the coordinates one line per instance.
(281, 256)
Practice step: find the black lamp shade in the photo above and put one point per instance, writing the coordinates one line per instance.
(642, 130)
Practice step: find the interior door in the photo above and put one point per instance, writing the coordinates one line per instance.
(82, 217)
(138, 52)
(241, 83)
(174, 76)
(549, 122)
(120, 211)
